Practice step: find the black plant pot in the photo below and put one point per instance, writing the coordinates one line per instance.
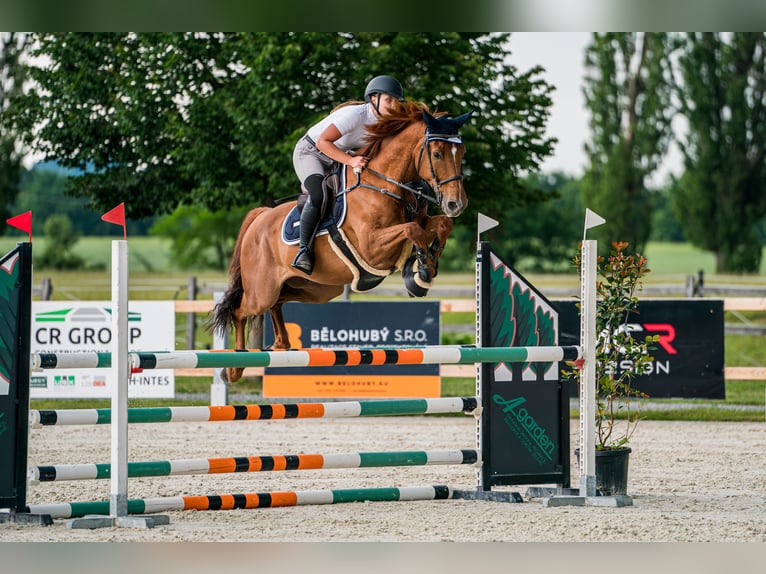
(611, 471)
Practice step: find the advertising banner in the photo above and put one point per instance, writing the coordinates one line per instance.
(76, 326)
(341, 324)
(689, 357)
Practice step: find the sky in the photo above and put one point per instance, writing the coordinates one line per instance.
(562, 54)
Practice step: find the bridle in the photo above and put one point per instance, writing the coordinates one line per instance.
(426, 147)
(419, 195)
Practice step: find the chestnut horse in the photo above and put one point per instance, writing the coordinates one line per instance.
(415, 157)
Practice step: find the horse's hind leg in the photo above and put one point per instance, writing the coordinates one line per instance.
(255, 338)
(281, 336)
(235, 373)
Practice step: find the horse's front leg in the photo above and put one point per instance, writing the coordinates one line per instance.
(438, 228)
(417, 271)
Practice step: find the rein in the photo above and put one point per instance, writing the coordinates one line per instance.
(419, 195)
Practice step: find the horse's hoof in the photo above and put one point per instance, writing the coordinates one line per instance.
(233, 375)
(412, 281)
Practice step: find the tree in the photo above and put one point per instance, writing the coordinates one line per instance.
(59, 247)
(721, 198)
(628, 88)
(210, 120)
(12, 74)
(42, 190)
(200, 239)
(540, 236)
(665, 223)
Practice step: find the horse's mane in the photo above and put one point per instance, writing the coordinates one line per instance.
(402, 115)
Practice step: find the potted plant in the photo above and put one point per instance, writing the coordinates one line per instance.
(620, 358)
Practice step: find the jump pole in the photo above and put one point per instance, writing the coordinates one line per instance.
(276, 463)
(340, 409)
(251, 500)
(352, 356)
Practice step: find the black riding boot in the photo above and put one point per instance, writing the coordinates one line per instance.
(310, 219)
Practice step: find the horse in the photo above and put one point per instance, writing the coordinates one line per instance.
(415, 158)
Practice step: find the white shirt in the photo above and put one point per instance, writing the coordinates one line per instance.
(351, 121)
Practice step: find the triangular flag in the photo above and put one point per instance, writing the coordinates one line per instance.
(22, 221)
(117, 216)
(592, 219)
(486, 223)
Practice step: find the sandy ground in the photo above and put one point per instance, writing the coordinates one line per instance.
(690, 482)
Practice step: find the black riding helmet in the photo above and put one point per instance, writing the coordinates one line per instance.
(383, 85)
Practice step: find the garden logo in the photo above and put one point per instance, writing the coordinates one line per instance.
(524, 426)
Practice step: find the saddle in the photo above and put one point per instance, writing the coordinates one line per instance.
(365, 276)
(336, 213)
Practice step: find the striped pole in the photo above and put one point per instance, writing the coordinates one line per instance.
(79, 360)
(251, 500)
(436, 354)
(341, 409)
(62, 472)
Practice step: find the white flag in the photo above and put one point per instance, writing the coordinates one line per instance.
(486, 223)
(593, 219)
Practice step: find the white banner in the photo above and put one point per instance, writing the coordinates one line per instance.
(76, 326)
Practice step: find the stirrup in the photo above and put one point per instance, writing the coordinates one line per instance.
(304, 261)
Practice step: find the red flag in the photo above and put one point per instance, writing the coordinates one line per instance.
(22, 221)
(117, 216)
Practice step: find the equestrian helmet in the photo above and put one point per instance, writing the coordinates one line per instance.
(384, 85)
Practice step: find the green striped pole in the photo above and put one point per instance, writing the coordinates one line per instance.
(63, 472)
(436, 354)
(249, 500)
(340, 409)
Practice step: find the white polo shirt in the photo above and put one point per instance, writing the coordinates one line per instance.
(351, 121)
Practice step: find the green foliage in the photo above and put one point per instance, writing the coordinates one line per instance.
(665, 223)
(721, 198)
(628, 88)
(200, 239)
(59, 251)
(619, 357)
(539, 236)
(168, 119)
(12, 76)
(42, 191)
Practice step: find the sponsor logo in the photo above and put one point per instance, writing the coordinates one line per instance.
(523, 424)
(80, 327)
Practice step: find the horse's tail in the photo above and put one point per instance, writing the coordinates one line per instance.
(223, 315)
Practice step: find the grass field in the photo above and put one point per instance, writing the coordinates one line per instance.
(152, 277)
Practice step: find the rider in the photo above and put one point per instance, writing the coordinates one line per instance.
(333, 139)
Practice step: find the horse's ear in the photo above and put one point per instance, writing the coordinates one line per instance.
(428, 119)
(460, 120)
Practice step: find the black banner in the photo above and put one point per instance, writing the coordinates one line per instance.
(341, 324)
(689, 357)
